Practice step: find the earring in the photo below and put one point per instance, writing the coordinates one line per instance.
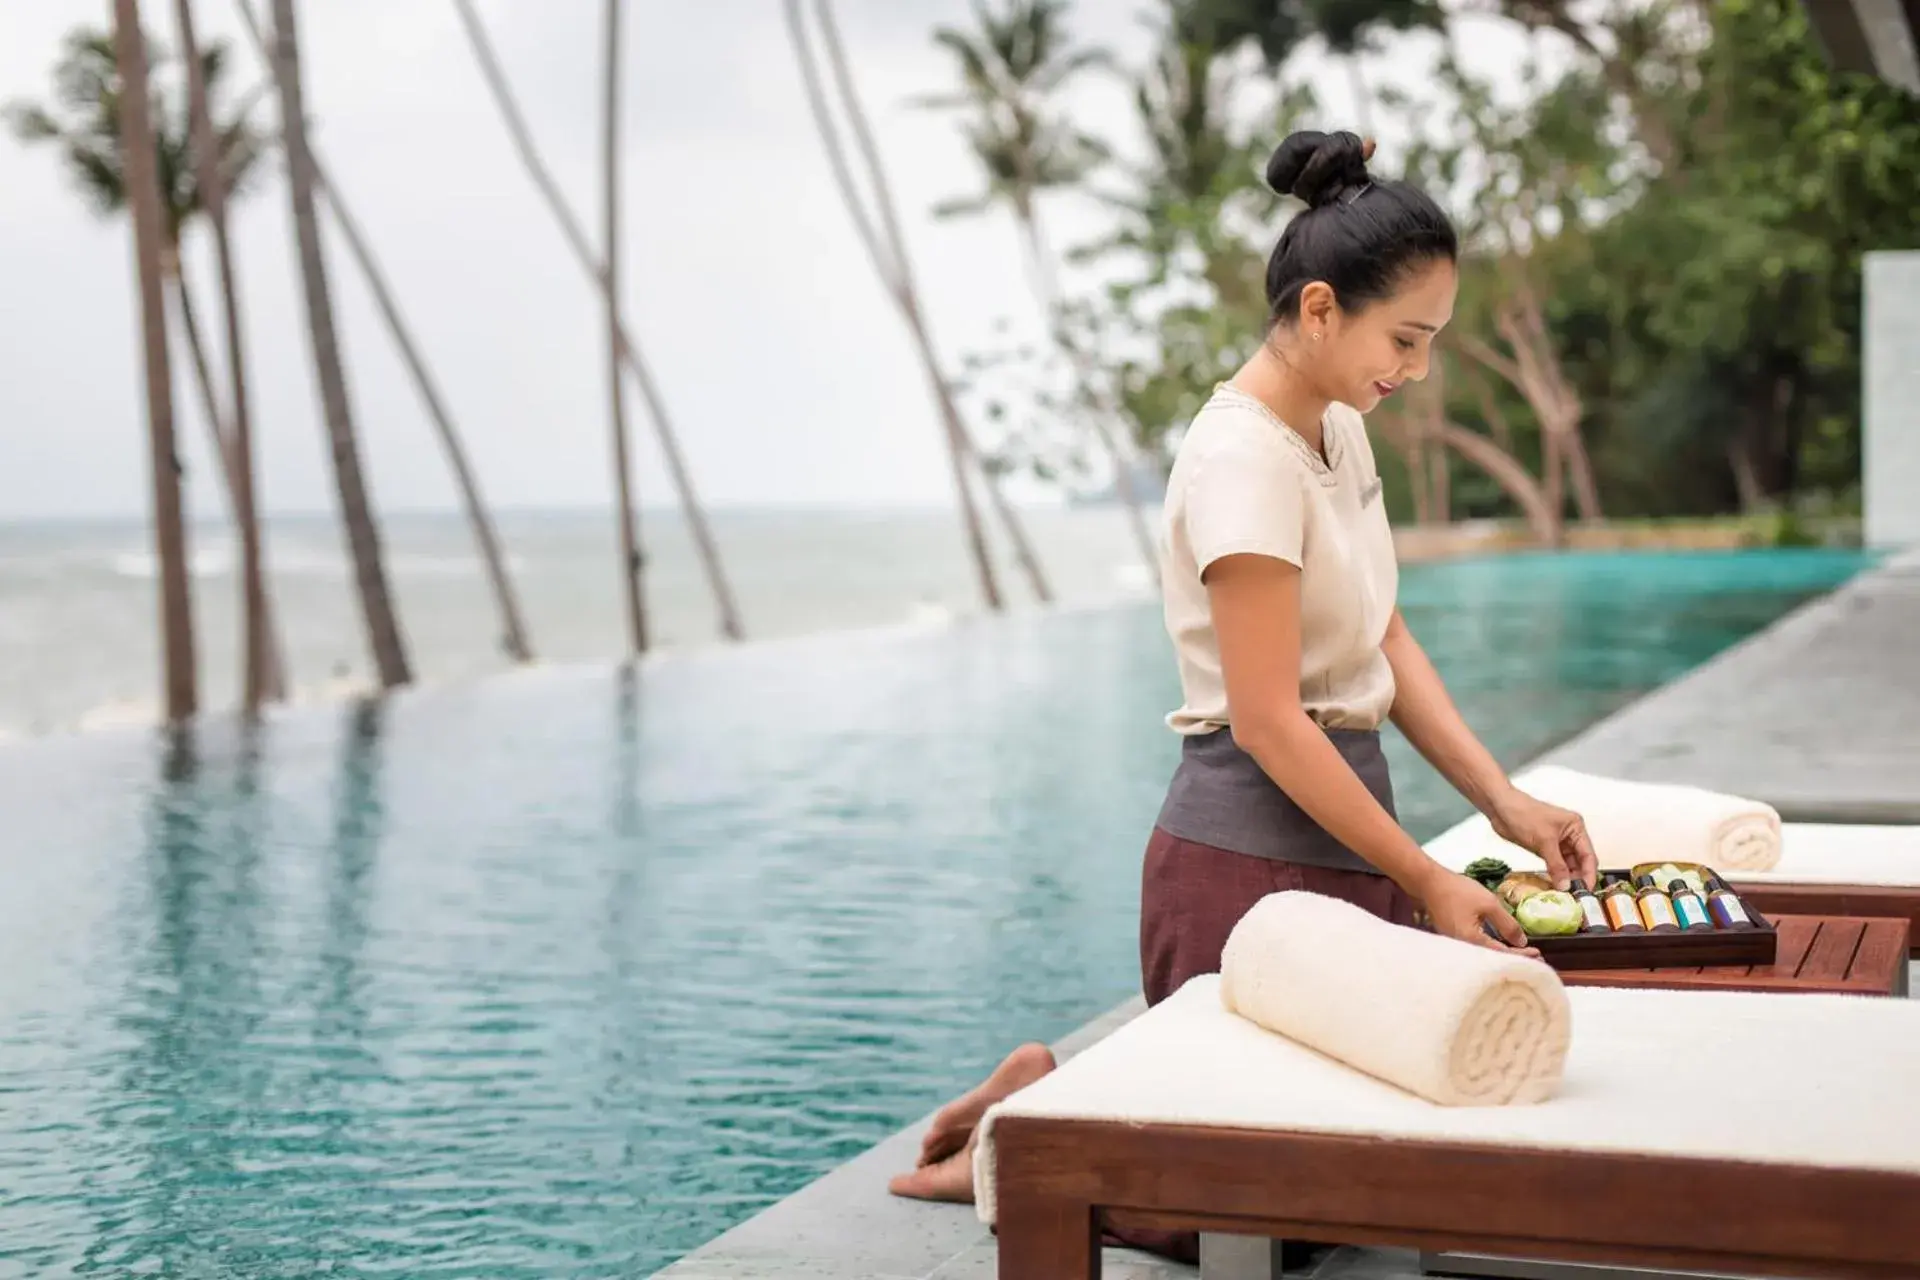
(1316, 337)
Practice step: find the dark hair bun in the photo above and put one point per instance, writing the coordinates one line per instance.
(1319, 168)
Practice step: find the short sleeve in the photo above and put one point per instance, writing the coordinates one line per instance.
(1246, 497)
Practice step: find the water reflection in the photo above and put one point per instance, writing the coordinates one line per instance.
(565, 973)
(626, 752)
(196, 1000)
(341, 1014)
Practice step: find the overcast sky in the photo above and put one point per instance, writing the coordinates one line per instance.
(786, 372)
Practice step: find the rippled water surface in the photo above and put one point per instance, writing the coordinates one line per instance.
(564, 973)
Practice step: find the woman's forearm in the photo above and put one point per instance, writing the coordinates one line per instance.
(1297, 755)
(1426, 714)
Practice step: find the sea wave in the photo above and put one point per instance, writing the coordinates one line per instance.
(928, 615)
(220, 562)
(145, 713)
(211, 562)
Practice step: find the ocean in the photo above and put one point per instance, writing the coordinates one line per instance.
(79, 643)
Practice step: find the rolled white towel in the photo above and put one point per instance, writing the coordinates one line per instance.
(1633, 822)
(1456, 1024)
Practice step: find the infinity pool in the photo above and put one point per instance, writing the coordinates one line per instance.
(564, 973)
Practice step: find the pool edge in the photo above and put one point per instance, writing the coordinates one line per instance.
(845, 1226)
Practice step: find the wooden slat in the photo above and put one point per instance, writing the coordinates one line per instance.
(1734, 971)
(1830, 957)
(1818, 955)
(1747, 1218)
(1879, 962)
(1796, 936)
(1890, 902)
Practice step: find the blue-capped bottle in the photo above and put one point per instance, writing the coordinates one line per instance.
(1687, 907)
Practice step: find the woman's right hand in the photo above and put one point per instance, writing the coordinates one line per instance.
(1465, 909)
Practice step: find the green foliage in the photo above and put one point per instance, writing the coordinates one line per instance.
(1728, 295)
(1011, 65)
(1279, 27)
(1683, 202)
(82, 121)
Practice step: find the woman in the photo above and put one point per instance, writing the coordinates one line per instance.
(1279, 580)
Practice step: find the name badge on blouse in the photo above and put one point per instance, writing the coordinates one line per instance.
(1371, 492)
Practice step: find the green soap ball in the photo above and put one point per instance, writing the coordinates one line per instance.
(1553, 914)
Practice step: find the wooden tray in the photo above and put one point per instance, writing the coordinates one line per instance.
(1688, 949)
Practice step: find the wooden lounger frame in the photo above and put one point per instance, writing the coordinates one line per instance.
(1786, 898)
(1834, 955)
(1059, 1181)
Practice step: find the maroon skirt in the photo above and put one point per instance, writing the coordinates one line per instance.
(1191, 896)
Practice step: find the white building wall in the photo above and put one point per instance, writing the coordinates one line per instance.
(1890, 426)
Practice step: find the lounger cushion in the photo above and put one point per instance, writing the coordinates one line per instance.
(1825, 1081)
(1810, 853)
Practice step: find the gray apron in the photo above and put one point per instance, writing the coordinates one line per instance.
(1220, 796)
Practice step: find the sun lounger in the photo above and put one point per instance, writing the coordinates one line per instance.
(1730, 1132)
(1824, 869)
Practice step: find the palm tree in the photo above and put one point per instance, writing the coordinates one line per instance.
(85, 123)
(890, 262)
(259, 678)
(363, 534)
(629, 350)
(617, 417)
(1349, 26)
(1279, 27)
(142, 184)
(513, 629)
(1009, 68)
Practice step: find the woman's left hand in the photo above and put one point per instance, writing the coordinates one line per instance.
(1558, 836)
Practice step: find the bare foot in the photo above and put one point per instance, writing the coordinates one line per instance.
(950, 1179)
(953, 1124)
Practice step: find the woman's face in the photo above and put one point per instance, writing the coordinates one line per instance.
(1364, 356)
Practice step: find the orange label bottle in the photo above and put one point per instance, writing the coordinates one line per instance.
(1623, 913)
(1656, 908)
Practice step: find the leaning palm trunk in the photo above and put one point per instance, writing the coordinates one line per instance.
(1106, 414)
(513, 629)
(896, 272)
(631, 565)
(363, 533)
(629, 350)
(950, 422)
(179, 672)
(270, 668)
(263, 674)
(910, 294)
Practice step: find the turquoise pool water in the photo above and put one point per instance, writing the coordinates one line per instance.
(562, 974)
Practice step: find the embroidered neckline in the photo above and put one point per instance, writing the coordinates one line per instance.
(1330, 434)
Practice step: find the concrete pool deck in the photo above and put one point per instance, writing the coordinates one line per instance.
(1818, 714)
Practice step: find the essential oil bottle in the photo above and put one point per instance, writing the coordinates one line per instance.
(1623, 913)
(1726, 909)
(1656, 909)
(1687, 907)
(1590, 907)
